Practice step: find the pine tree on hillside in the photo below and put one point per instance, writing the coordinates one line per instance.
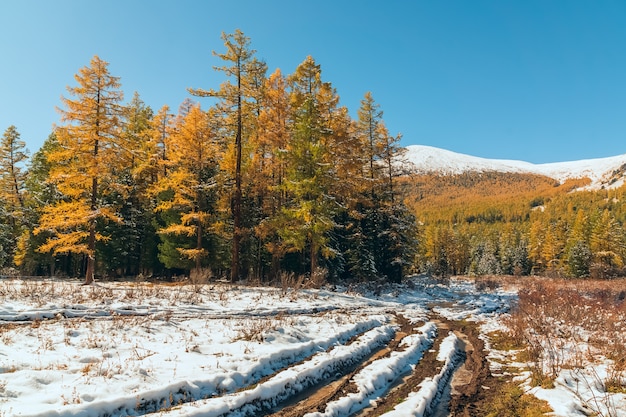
(536, 237)
(82, 166)
(579, 259)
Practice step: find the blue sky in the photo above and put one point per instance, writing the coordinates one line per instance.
(540, 81)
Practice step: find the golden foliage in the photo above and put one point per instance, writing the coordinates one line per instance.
(480, 196)
(83, 164)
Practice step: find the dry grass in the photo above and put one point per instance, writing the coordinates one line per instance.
(566, 324)
(510, 401)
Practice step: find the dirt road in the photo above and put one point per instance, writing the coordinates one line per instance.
(461, 395)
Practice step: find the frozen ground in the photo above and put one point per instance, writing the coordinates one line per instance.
(130, 349)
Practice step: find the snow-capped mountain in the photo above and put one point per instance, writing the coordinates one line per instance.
(607, 172)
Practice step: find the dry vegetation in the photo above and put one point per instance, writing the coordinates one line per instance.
(574, 325)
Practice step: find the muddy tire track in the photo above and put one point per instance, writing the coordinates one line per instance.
(470, 387)
(316, 398)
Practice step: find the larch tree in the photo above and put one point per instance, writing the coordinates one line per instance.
(188, 191)
(13, 157)
(577, 246)
(361, 220)
(151, 167)
(347, 157)
(368, 131)
(308, 217)
(270, 163)
(391, 152)
(83, 165)
(607, 244)
(122, 256)
(397, 234)
(152, 160)
(242, 69)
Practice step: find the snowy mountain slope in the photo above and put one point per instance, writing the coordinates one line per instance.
(607, 172)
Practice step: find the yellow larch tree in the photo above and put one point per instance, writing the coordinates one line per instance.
(234, 96)
(188, 189)
(607, 244)
(13, 156)
(83, 164)
(13, 221)
(153, 155)
(268, 165)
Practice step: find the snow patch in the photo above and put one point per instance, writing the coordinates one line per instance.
(607, 172)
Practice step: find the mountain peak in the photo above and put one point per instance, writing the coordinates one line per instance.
(603, 172)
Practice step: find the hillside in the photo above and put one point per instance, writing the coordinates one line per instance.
(488, 196)
(480, 216)
(602, 172)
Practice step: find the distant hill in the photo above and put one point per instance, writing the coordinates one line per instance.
(602, 172)
(487, 216)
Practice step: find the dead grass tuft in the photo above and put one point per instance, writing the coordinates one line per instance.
(566, 324)
(511, 401)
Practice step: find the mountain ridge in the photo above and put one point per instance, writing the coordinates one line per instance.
(606, 172)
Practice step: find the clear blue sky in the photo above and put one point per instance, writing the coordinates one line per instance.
(536, 80)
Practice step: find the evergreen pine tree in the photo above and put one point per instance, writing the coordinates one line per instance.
(579, 260)
(40, 193)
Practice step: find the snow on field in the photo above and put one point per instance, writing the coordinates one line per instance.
(288, 382)
(130, 349)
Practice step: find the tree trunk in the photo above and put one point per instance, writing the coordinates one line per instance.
(234, 267)
(313, 258)
(198, 246)
(91, 242)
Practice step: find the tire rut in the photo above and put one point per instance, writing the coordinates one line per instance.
(427, 367)
(316, 398)
(468, 389)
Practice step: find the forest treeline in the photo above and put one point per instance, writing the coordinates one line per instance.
(274, 176)
(493, 223)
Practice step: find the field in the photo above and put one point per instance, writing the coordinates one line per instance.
(496, 346)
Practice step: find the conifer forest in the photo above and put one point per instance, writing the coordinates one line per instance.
(262, 175)
(268, 175)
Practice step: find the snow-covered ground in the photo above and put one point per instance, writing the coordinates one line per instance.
(601, 171)
(129, 349)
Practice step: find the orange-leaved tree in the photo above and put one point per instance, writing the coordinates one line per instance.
(83, 164)
(13, 156)
(234, 95)
(187, 193)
